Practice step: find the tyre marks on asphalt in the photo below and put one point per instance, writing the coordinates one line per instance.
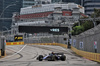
(72, 58)
(44, 50)
(8, 58)
(54, 49)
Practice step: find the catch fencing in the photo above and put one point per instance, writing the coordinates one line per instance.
(46, 39)
(88, 40)
(87, 44)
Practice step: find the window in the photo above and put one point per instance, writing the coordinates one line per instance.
(66, 14)
(28, 0)
(28, 3)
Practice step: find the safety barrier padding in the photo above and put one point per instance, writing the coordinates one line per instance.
(14, 43)
(57, 44)
(0, 52)
(1, 55)
(88, 55)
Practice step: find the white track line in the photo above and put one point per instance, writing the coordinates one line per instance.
(16, 52)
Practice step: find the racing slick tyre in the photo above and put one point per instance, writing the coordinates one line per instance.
(40, 57)
(63, 57)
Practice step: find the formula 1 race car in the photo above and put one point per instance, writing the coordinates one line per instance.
(52, 57)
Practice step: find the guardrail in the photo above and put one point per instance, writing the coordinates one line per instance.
(88, 55)
(14, 43)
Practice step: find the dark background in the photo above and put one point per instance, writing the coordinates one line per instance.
(17, 37)
(8, 12)
(42, 29)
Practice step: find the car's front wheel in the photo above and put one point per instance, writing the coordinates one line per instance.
(63, 57)
(40, 57)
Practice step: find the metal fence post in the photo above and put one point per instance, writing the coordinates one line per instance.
(3, 44)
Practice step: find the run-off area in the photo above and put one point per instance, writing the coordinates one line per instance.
(25, 55)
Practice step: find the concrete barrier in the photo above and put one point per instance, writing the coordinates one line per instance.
(88, 55)
(14, 43)
(56, 44)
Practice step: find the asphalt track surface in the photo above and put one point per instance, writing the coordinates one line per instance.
(25, 55)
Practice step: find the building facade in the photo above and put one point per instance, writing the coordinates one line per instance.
(90, 5)
(7, 8)
(47, 15)
(75, 1)
(40, 11)
(55, 1)
(27, 3)
(1, 8)
(67, 1)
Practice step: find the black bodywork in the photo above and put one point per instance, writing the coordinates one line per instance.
(52, 57)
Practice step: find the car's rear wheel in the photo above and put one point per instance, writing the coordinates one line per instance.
(40, 57)
(63, 57)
